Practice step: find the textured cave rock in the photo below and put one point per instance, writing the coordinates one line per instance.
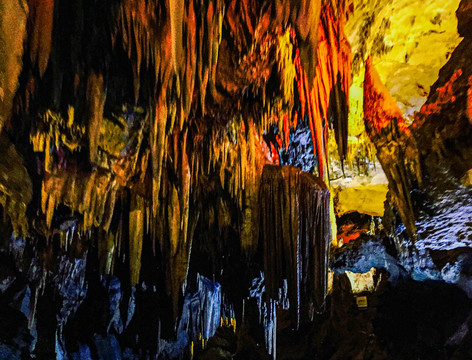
(402, 36)
(464, 25)
(15, 186)
(446, 113)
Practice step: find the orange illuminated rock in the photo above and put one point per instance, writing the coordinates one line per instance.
(132, 134)
(41, 16)
(92, 195)
(327, 96)
(466, 180)
(445, 95)
(136, 232)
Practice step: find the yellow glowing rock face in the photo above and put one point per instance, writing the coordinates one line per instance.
(409, 42)
(356, 113)
(365, 199)
(361, 282)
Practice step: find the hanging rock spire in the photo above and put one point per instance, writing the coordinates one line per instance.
(295, 236)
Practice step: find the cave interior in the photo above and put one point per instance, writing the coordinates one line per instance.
(235, 179)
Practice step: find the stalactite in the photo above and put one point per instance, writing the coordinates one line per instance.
(136, 233)
(12, 33)
(241, 19)
(387, 129)
(311, 103)
(210, 24)
(304, 16)
(250, 223)
(179, 51)
(176, 22)
(236, 156)
(341, 62)
(191, 59)
(328, 96)
(214, 41)
(158, 145)
(51, 134)
(174, 220)
(185, 186)
(41, 17)
(287, 69)
(96, 101)
(180, 223)
(295, 235)
(107, 250)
